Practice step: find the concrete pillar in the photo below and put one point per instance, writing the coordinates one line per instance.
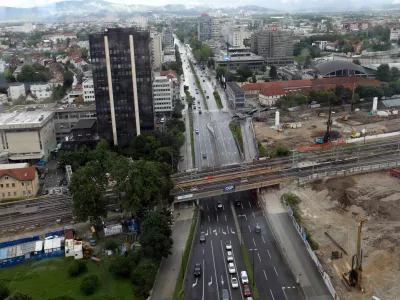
(134, 83)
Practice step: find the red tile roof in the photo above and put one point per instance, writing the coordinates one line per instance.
(78, 60)
(21, 174)
(169, 73)
(274, 90)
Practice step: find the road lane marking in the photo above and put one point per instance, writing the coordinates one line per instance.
(249, 228)
(226, 219)
(217, 218)
(215, 269)
(259, 257)
(276, 271)
(283, 289)
(194, 284)
(241, 205)
(263, 240)
(249, 204)
(210, 283)
(268, 253)
(254, 214)
(209, 219)
(203, 251)
(265, 274)
(272, 295)
(222, 280)
(215, 231)
(223, 232)
(208, 208)
(232, 231)
(227, 229)
(203, 281)
(254, 242)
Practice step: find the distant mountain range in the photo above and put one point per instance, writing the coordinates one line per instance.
(101, 9)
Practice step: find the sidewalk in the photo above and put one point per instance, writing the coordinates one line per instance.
(169, 268)
(295, 253)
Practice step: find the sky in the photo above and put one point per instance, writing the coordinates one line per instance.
(280, 4)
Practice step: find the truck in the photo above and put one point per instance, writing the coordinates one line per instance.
(395, 172)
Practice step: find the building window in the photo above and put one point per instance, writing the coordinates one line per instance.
(1, 185)
(13, 184)
(9, 193)
(22, 183)
(7, 185)
(15, 193)
(29, 192)
(6, 177)
(27, 183)
(23, 192)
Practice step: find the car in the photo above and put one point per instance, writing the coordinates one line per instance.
(200, 112)
(204, 155)
(229, 256)
(228, 245)
(194, 107)
(238, 203)
(207, 97)
(202, 237)
(244, 278)
(193, 189)
(257, 228)
(197, 270)
(205, 91)
(249, 298)
(197, 131)
(225, 294)
(234, 282)
(209, 177)
(198, 102)
(246, 290)
(92, 242)
(204, 80)
(219, 205)
(231, 268)
(43, 176)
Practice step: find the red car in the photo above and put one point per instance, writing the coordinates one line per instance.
(246, 290)
(209, 177)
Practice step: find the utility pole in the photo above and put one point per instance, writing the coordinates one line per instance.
(254, 277)
(241, 228)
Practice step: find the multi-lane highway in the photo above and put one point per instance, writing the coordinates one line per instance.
(219, 227)
(214, 144)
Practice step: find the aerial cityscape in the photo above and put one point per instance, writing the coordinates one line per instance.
(199, 151)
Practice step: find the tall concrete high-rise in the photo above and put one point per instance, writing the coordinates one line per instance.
(122, 78)
(274, 44)
(204, 27)
(168, 38)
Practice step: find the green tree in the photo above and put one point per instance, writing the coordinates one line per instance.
(68, 41)
(141, 185)
(9, 77)
(394, 74)
(383, 73)
(33, 73)
(61, 298)
(19, 296)
(273, 72)
(254, 78)
(120, 266)
(85, 53)
(89, 284)
(87, 187)
(348, 48)
(68, 78)
(175, 123)
(143, 277)
(4, 291)
(245, 72)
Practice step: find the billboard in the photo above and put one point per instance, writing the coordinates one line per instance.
(229, 188)
(185, 196)
(227, 57)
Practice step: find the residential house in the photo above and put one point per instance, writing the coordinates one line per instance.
(16, 90)
(88, 90)
(17, 181)
(41, 91)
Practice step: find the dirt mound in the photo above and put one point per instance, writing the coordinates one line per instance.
(338, 190)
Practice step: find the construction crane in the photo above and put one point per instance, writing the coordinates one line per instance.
(354, 276)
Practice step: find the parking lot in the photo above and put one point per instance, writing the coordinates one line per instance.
(54, 181)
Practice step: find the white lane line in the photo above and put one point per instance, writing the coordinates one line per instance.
(249, 228)
(254, 242)
(263, 239)
(227, 229)
(283, 289)
(259, 257)
(209, 219)
(210, 283)
(226, 219)
(245, 217)
(215, 269)
(276, 271)
(249, 204)
(203, 251)
(203, 282)
(268, 253)
(241, 205)
(208, 208)
(272, 295)
(194, 284)
(265, 274)
(254, 214)
(217, 218)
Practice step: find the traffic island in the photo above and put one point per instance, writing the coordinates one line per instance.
(236, 131)
(218, 100)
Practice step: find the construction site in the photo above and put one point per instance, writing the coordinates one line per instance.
(339, 213)
(308, 126)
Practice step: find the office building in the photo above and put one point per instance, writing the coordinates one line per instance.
(162, 94)
(157, 53)
(84, 133)
(215, 29)
(168, 38)
(238, 57)
(88, 90)
(27, 136)
(275, 45)
(122, 77)
(236, 95)
(204, 27)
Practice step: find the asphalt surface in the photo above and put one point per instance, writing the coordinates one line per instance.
(273, 279)
(214, 138)
(219, 227)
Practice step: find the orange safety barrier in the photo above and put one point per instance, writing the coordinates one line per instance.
(319, 146)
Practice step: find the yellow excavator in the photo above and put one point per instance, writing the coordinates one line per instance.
(354, 276)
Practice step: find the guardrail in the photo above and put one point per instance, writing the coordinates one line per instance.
(352, 171)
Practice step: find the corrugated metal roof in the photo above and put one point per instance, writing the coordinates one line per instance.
(391, 102)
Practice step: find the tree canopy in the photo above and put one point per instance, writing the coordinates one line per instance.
(33, 73)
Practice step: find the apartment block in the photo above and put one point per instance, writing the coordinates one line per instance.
(204, 27)
(41, 91)
(157, 53)
(162, 94)
(167, 37)
(16, 90)
(88, 90)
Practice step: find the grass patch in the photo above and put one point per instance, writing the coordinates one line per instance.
(237, 133)
(278, 151)
(49, 278)
(196, 78)
(192, 139)
(294, 202)
(218, 100)
(178, 294)
(249, 269)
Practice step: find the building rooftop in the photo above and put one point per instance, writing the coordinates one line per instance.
(13, 166)
(84, 124)
(234, 86)
(24, 119)
(251, 57)
(20, 174)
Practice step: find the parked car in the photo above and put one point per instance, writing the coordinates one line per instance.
(234, 282)
(229, 256)
(246, 290)
(244, 278)
(228, 245)
(231, 268)
(197, 270)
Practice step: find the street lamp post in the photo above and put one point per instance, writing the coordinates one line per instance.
(254, 276)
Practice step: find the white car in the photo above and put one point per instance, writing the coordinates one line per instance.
(228, 245)
(234, 282)
(244, 277)
(231, 268)
(197, 131)
(229, 256)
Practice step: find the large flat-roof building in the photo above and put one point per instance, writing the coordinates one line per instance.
(122, 77)
(204, 28)
(27, 135)
(274, 44)
(235, 95)
(234, 60)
